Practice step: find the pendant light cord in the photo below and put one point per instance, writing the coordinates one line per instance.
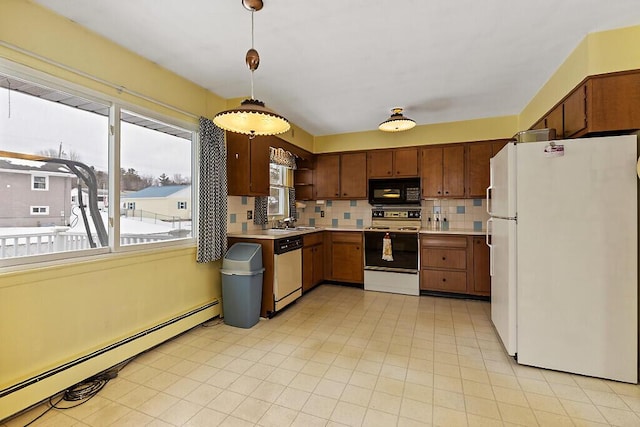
(252, 12)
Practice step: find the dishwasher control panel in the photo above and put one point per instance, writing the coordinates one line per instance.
(287, 244)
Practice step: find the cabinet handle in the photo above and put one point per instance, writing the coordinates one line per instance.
(344, 194)
(444, 280)
(237, 156)
(444, 258)
(439, 192)
(446, 192)
(357, 248)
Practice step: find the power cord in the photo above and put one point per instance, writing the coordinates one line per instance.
(83, 391)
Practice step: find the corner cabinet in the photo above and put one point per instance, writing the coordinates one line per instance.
(478, 173)
(396, 163)
(247, 165)
(443, 171)
(341, 176)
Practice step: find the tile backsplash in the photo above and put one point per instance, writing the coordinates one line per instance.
(468, 214)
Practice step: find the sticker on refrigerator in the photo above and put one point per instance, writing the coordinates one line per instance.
(553, 150)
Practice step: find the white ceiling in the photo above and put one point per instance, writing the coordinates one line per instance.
(338, 66)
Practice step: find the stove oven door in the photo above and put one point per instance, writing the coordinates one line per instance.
(404, 249)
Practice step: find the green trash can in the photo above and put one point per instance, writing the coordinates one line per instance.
(242, 274)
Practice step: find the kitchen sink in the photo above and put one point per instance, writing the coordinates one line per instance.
(280, 230)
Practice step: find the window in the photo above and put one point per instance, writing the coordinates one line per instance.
(279, 178)
(69, 126)
(39, 210)
(39, 183)
(156, 169)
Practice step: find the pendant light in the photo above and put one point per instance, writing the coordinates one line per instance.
(252, 117)
(397, 122)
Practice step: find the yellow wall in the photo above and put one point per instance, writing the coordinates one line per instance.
(52, 315)
(598, 53)
(469, 130)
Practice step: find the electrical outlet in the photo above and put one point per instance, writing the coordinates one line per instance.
(249, 214)
(321, 214)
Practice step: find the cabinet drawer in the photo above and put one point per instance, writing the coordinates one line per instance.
(312, 239)
(346, 237)
(448, 241)
(444, 258)
(443, 280)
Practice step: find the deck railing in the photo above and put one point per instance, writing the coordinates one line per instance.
(60, 240)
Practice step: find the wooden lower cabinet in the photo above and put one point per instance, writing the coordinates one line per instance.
(454, 264)
(312, 260)
(345, 251)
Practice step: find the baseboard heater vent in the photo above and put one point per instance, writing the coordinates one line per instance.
(96, 353)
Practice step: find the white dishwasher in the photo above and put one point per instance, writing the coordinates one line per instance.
(287, 271)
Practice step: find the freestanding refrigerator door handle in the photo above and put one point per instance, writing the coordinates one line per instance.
(488, 240)
(489, 188)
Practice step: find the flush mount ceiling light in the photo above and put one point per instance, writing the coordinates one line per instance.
(397, 122)
(252, 117)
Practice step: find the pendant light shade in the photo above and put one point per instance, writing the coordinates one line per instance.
(397, 122)
(252, 117)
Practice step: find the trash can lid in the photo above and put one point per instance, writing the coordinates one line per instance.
(243, 257)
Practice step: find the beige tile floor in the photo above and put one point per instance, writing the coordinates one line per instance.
(343, 356)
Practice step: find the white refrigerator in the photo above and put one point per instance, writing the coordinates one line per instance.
(563, 235)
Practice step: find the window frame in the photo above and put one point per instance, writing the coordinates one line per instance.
(46, 210)
(33, 182)
(115, 105)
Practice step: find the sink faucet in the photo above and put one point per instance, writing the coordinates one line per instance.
(289, 222)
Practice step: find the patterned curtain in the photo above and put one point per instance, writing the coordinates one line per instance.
(293, 213)
(212, 220)
(260, 210)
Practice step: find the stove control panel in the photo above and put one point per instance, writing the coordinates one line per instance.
(395, 214)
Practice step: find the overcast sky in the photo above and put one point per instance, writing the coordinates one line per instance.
(30, 125)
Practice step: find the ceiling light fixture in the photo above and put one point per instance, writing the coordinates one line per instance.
(252, 117)
(397, 122)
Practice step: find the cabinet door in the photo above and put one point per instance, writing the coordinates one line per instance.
(247, 165)
(555, 120)
(614, 102)
(431, 170)
(353, 176)
(481, 277)
(453, 171)
(318, 264)
(347, 262)
(307, 268)
(380, 163)
(327, 182)
(575, 112)
(406, 162)
(478, 172)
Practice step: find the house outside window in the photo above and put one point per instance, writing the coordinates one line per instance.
(39, 183)
(155, 151)
(39, 210)
(279, 180)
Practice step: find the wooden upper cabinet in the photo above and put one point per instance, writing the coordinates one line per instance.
(478, 156)
(613, 102)
(405, 162)
(396, 163)
(431, 172)
(247, 165)
(453, 171)
(555, 120)
(353, 176)
(380, 163)
(478, 168)
(443, 171)
(327, 182)
(341, 176)
(575, 112)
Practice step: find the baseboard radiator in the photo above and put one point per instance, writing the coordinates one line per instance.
(20, 396)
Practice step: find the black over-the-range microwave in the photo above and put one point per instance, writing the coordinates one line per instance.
(394, 191)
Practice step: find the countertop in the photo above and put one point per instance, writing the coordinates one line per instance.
(271, 234)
